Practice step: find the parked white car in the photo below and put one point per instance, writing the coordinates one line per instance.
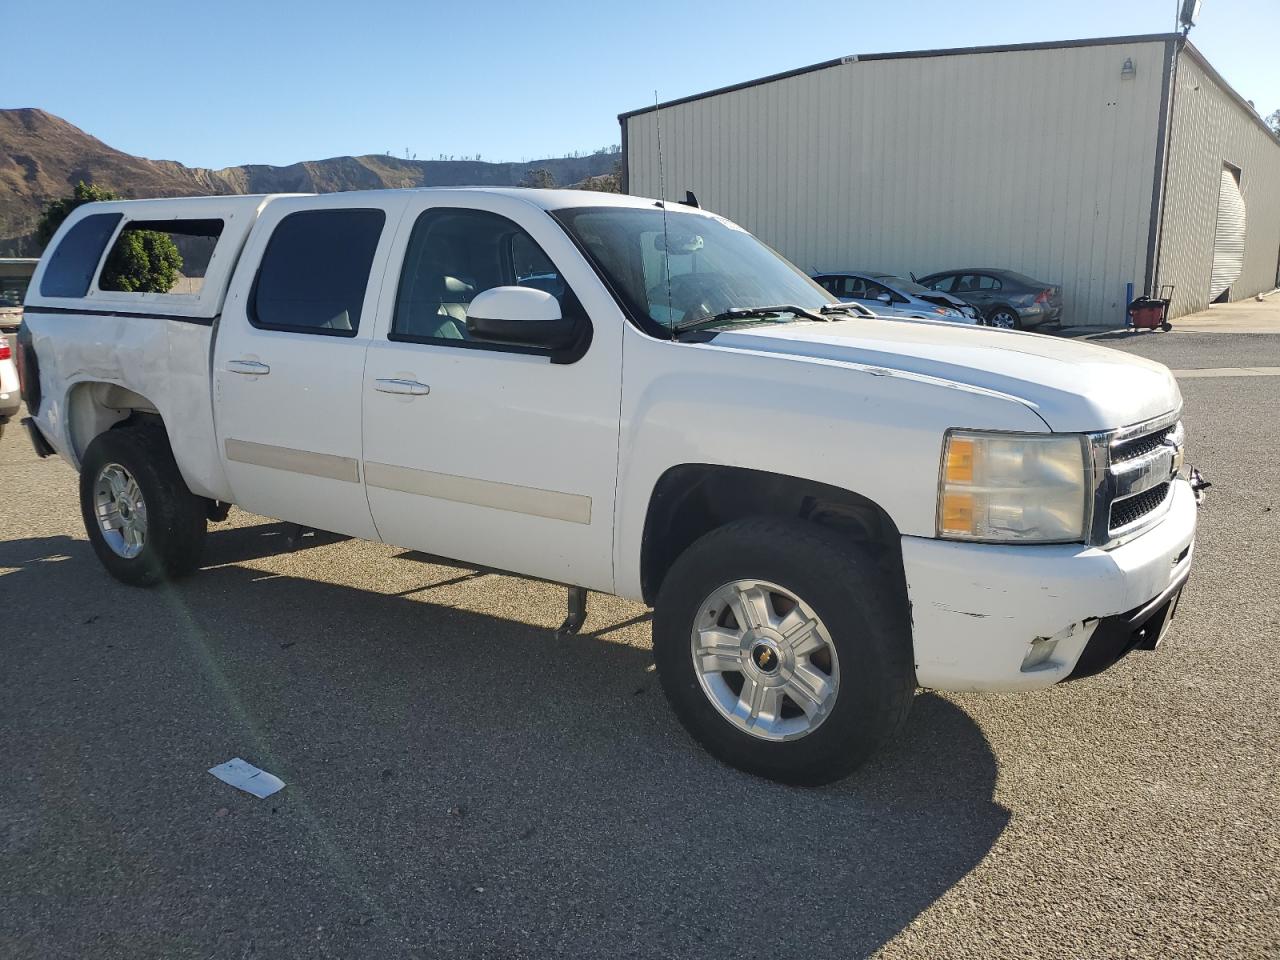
(10, 396)
(827, 510)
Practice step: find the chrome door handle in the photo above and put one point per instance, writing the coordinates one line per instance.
(409, 388)
(251, 368)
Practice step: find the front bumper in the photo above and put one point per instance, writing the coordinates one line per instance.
(993, 617)
(1114, 638)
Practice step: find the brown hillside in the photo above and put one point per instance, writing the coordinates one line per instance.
(42, 157)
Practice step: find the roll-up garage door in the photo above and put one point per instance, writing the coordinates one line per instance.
(1228, 242)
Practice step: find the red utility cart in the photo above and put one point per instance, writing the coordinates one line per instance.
(1150, 313)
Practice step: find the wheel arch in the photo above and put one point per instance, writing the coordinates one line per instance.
(96, 406)
(690, 500)
(93, 407)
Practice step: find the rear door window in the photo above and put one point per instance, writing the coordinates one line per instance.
(74, 261)
(854, 287)
(315, 271)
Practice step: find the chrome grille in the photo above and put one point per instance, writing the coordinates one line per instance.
(1132, 509)
(1140, 446)
(1133, 472)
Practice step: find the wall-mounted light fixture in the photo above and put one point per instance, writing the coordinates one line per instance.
(1128, 71)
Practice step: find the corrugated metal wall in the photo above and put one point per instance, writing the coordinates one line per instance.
(1210, 128)
(1039, 160)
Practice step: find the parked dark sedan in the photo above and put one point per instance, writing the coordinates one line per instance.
(1005, 298)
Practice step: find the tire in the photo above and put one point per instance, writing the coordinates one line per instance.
(1166, 326)
(168, 540)
(868, 672)
(1005, 319)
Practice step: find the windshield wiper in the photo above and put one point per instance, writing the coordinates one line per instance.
(743, 313)
(827, 309)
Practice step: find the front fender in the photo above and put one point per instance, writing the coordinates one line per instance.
(874, 432)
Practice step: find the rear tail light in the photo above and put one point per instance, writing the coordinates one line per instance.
(5, 352)
(1043, 296)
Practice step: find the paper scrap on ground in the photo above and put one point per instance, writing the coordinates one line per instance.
(247, 777)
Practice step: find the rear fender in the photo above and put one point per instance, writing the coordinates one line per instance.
(97, 371)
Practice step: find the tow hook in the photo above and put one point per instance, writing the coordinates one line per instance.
(1198, 485)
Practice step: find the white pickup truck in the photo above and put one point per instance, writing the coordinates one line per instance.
(827, 510)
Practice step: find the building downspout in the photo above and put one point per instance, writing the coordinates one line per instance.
(625, 186)
(1159, 188)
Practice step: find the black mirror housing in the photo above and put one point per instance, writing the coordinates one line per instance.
(548, 334)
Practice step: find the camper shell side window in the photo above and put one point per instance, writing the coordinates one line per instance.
(161, 256)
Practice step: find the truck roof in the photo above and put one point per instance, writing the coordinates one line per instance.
(546, 199)
(238, 213)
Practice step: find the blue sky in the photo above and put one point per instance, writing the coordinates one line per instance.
(215, 84)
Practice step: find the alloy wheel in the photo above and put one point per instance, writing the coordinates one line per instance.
(765, 660)
(121, 510)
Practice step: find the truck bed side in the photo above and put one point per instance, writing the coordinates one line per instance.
(107, 355)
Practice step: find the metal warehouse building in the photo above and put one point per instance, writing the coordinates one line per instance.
(1090, 163)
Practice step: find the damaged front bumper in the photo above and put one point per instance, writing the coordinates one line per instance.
(1006, 618)
(1114, 638)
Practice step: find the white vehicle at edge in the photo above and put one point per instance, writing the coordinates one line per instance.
(826, 510)
(10, 399)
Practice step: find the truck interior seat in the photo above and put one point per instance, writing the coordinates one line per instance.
(442, 314)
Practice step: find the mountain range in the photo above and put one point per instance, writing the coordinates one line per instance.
(42, 157)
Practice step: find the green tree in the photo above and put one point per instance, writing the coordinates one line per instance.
(610, 182)
(56, 211)
(1273, 122)
(539, 177)
(142, 261)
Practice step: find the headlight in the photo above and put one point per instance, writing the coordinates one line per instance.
(1028, 488)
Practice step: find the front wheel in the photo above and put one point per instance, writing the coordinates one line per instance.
(143, 522)
(784, 649)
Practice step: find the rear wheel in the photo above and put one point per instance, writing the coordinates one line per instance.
(143, 522)
(784, 650)
(1004, 318)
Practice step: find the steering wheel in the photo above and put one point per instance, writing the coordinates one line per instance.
(691, 295)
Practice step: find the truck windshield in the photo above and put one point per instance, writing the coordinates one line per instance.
(698, 266)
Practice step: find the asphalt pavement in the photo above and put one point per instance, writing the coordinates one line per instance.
(462, 784)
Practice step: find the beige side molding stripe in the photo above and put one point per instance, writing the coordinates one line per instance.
(482, 493)
(325, 465)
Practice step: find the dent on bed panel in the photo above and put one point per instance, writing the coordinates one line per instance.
(141, 363)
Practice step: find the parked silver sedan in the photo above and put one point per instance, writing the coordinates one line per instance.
(893, 296)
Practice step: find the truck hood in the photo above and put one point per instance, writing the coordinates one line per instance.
(1073, 386)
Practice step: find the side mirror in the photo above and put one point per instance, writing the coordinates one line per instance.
(522, 316)
(885, 298)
